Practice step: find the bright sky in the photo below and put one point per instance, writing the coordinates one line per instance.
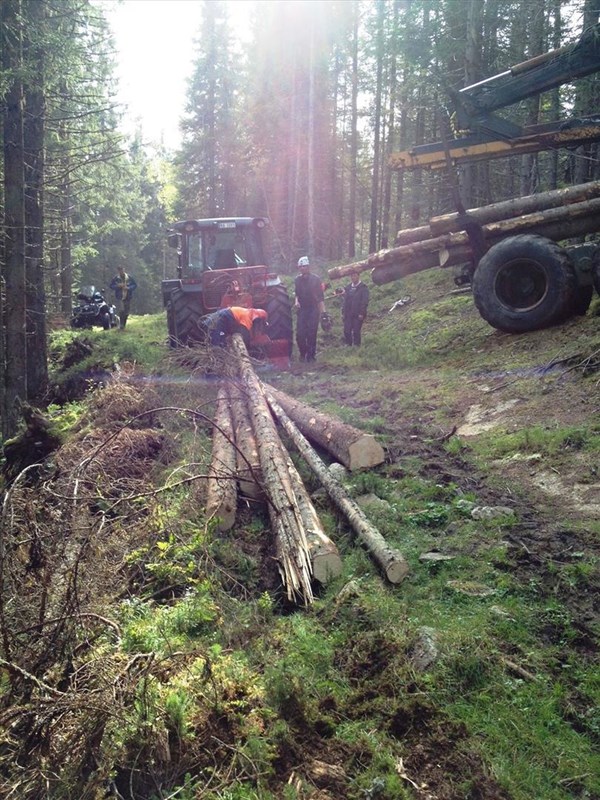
(155, 51)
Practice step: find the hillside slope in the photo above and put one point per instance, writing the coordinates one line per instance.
(147, 657)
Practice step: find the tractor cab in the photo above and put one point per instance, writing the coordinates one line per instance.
(218, 244)
(221, 263)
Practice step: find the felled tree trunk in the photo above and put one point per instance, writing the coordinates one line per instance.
(221, 498)
(293, 538)
(324, 555)
(576, 219)
(248, 463)
(390, 560)
(515, 207)
(351, 446)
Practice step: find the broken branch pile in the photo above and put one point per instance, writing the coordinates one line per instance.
(248, 454)
(444, 242)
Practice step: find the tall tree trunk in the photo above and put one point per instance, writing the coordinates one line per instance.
(472, 71)
(377, 129)
(65, 267)
(536, 44)
(15, 347)
(37, 361)
(584, 100)
(310, 211)
(353, 138)
(555, 95)
(387, 191)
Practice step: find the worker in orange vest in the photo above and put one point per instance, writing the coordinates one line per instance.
(218, 325)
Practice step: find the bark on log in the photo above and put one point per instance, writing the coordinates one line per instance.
(558, 215)
(390, 560)
(410, 235)
(221, 497)
(349, 445)
(386, 273)
(557, 224)
(324, 555)
(248, 463)
(294, 551)
(348, 269)
(448, 223)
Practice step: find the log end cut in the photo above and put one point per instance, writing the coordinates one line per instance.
(326, 567)
(365, 452)
(396, 570)
(222, 504)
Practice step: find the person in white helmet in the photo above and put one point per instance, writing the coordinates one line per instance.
(310, 304)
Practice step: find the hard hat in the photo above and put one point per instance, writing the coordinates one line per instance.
(303, 262)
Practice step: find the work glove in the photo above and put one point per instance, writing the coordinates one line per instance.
(326, 322)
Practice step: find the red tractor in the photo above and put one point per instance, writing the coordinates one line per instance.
(222, 264)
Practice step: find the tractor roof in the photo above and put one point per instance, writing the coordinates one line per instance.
(191, 225)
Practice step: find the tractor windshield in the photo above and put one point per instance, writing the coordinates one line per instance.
(225, 248)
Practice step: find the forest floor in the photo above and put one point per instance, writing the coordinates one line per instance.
(475, 679)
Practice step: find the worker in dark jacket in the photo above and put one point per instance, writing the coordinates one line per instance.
(354, 310)
(123, 286)
(310, 303)
(221, 324)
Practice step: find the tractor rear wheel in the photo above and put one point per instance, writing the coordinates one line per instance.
(524, 283)
(183, 314)
(279, 309)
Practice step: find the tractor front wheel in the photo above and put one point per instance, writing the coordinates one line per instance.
(279, 309)
(524, 283)
(184, 310)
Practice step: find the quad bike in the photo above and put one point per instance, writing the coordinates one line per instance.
(93, 310)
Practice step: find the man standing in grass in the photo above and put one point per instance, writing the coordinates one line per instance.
(354, 310)
(310, 303)
(123, 286)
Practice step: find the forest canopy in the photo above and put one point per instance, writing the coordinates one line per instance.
(298, 124)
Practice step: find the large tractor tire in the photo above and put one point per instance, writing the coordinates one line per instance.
(524, 283)
(183, 314)
(279, 309)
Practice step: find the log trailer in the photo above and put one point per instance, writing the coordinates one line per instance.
(522, 278)
(221, 263)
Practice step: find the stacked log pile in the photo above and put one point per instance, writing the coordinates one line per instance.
(249, 457)
(444, 242)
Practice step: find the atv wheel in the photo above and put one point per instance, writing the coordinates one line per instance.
(183, 315)
(524, 283)
(106, 322)
(279, 309)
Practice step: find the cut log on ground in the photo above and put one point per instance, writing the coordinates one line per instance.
(221, 498)
(324, 555)
(248, 463)
(293, 549)
(390, 560)
(354, 448)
